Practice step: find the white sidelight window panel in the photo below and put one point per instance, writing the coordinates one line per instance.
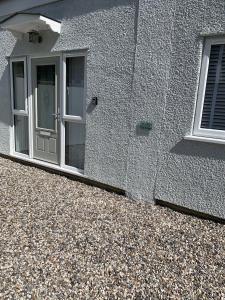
(74, 109)
(210, 110)
(18, 75)
(75, 86)
(74, 144)
(19, 85)
(21, 134)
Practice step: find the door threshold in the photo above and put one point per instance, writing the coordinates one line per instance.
(49, 166)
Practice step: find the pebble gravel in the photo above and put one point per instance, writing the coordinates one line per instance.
(62, 239)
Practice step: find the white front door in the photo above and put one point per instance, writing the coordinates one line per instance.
(43, 130)
(46, 118)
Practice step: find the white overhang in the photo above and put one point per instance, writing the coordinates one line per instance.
(26, 22)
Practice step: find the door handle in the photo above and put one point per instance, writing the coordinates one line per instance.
(56, 115)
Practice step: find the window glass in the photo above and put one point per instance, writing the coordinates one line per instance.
(18, 85)
(213, 114)
(21, 134)
(46, 96)
(75, 86)
(75, 144)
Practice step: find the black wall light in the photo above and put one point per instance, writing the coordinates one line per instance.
(34, 37)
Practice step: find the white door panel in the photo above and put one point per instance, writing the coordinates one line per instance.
(45, 73)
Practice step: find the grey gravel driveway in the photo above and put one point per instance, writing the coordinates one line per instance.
(61, 239)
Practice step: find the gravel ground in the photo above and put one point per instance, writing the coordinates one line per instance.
(61, 239)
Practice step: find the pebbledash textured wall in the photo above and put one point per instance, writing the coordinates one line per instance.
(106, 28)
(150, 85)
(143, 63)
(190, 174)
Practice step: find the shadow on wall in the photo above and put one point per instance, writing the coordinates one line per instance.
(64, 10)
(20, 48)
(199, 149)
(141, 131)
(61, 10)
(5, 99)
(23, 47)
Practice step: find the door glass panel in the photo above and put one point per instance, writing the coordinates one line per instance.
(21, 134)
(18, 85)
(75, 86)
(75, 144)
(46, 96)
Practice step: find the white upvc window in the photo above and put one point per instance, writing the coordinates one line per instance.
(19, 104)
(210, 109)
(74, 110)
(74, 71)
(18, 85)
(71, 114)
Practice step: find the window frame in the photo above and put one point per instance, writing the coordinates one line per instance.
(70, 118)
(28, 112)
(22, 112)
(17, 112)
(197, 130)
(20, 154)
(73, 118)
(56, 93)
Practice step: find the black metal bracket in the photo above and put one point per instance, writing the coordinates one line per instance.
(94, 101)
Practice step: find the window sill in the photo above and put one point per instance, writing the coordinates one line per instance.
(204, 139)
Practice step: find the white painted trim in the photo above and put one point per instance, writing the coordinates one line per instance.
(44, 55)
(204, 139)
(30, 107)
(24, 22)
(12, 137)
(197, 89)
(197, 130)
(20, 155)
(53, 25)
(82, 50)
(62, 127)
(210, 34)
(75, 119)
(202, 87)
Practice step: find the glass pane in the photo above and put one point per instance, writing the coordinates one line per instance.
(21, 134)
(75, 86)
(213, 115)
(18, 85)
(75, 145)
(46, 96)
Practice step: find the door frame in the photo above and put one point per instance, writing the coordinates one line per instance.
(62, 84)
(46, 61)
(66, 117)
